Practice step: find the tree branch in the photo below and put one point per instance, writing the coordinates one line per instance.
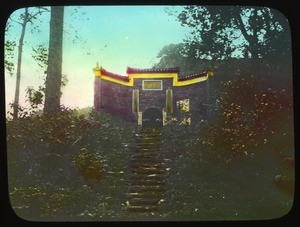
(44, 8)
(241, 26)
(267, 18)
(16, 21)
(255, 29)
(30, 17)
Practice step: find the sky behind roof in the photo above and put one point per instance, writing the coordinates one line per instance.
(114, 36)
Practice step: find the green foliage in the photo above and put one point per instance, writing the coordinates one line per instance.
(47, 179)
(35, 97)
(52, 157)
(64, 80)
(222, 32)
(57, 129)
(248, 120)
(89, 164)
(9, 49)
(22, 112)
(86, 111)
(179, 55)
(40, 55)
(28, 17)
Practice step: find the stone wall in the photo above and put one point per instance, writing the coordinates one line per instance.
(116, 99)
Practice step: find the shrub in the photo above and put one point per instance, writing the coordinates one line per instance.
(248, 118)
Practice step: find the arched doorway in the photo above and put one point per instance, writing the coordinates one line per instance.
(152, 117)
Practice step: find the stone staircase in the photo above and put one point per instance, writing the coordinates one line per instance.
(146, 184)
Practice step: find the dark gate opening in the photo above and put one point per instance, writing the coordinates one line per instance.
(152, 117)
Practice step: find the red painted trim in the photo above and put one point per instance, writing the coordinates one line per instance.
(152, 70)
(113, 75)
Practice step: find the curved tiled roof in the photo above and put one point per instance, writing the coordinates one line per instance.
(193, 76)
(113, 75)
(152, 70)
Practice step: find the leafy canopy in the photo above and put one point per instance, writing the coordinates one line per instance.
(234, 31)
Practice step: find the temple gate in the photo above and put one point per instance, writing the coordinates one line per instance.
(180, 100)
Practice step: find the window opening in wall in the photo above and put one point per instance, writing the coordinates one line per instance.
(183, 105)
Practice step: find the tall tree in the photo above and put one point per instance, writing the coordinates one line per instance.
(20, 50)
(54, 71)
(225, 32)
(24, 19)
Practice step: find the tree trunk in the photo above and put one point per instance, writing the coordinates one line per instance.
(54, 76)
(18, 79)
(251, 38)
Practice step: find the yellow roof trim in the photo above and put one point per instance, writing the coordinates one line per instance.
(176, 83)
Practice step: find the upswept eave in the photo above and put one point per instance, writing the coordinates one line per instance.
(134, 73)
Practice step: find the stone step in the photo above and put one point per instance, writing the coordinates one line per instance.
(138, 201)
(147, 149)
(145, 176)
(146, 168)
(145, 165)
(148, 134)
(147, 182)
(146, 138)
(144, 180)
(143, 148)
(147, 152)
(143, 160)
(145, 155)
(147, 145)
(148, 141)
(146, 194)
(147, 171)
(146, 188)
(142, 208)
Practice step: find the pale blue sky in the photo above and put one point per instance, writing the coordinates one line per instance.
(114, 36)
